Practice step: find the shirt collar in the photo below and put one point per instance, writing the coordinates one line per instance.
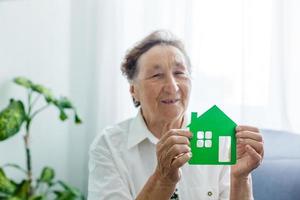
(138, 131)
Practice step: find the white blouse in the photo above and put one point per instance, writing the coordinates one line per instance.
(123, 157)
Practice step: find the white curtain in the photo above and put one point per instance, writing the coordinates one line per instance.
(245, 56)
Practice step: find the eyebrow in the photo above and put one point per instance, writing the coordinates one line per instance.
(180, 65)
(176, 64)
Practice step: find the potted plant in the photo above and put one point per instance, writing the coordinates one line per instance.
(12, 118)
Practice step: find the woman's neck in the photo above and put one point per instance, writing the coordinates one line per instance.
(159, 127)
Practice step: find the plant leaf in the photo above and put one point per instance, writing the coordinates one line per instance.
(4, 195)
(77, 119)
(63, 116)
(15, 166)
(64, 103)
(14, 198)
(38, 197)
(47, 175)
(23, 82)
(65, 195)
(11, 119)
(22, 189)
(72, 189)
(61, 103)
(43, 91)
(6, 186)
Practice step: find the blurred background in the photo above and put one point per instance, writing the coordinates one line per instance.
(245, 56)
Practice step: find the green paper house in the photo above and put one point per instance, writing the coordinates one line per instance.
(213, 141)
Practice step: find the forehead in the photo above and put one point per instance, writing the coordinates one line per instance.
(161, 55)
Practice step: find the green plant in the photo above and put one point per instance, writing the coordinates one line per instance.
(12, 118)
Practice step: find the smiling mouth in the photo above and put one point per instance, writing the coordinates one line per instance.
(170, 101)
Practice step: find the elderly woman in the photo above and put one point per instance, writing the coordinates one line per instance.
(146, 157)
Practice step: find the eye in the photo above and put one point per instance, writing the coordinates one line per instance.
(179, 73)
(157, 75)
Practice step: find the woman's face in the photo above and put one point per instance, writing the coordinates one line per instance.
(162, 84)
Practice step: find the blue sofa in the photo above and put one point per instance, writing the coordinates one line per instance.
(278, 177)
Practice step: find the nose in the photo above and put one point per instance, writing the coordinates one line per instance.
(171, 85)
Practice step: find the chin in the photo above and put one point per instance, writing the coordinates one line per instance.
(173, 114)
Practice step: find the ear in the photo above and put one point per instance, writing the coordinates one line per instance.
(134, 92)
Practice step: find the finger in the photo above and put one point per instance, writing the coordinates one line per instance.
(250, 134)
(172, 132)
(173, 140)
(258, 146)
(180, 161)
(162, 149)
(246, 128)
(175, 151)
(176, 145)
(241, 150)
(256, 157)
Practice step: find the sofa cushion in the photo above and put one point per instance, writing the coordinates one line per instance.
(278, 177)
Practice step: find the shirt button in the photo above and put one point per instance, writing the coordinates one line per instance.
(209, 193)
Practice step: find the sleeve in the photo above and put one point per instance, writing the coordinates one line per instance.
(224, 183)
(105, 181)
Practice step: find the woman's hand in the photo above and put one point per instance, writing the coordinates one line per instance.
(250, 151)
(172, 151)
